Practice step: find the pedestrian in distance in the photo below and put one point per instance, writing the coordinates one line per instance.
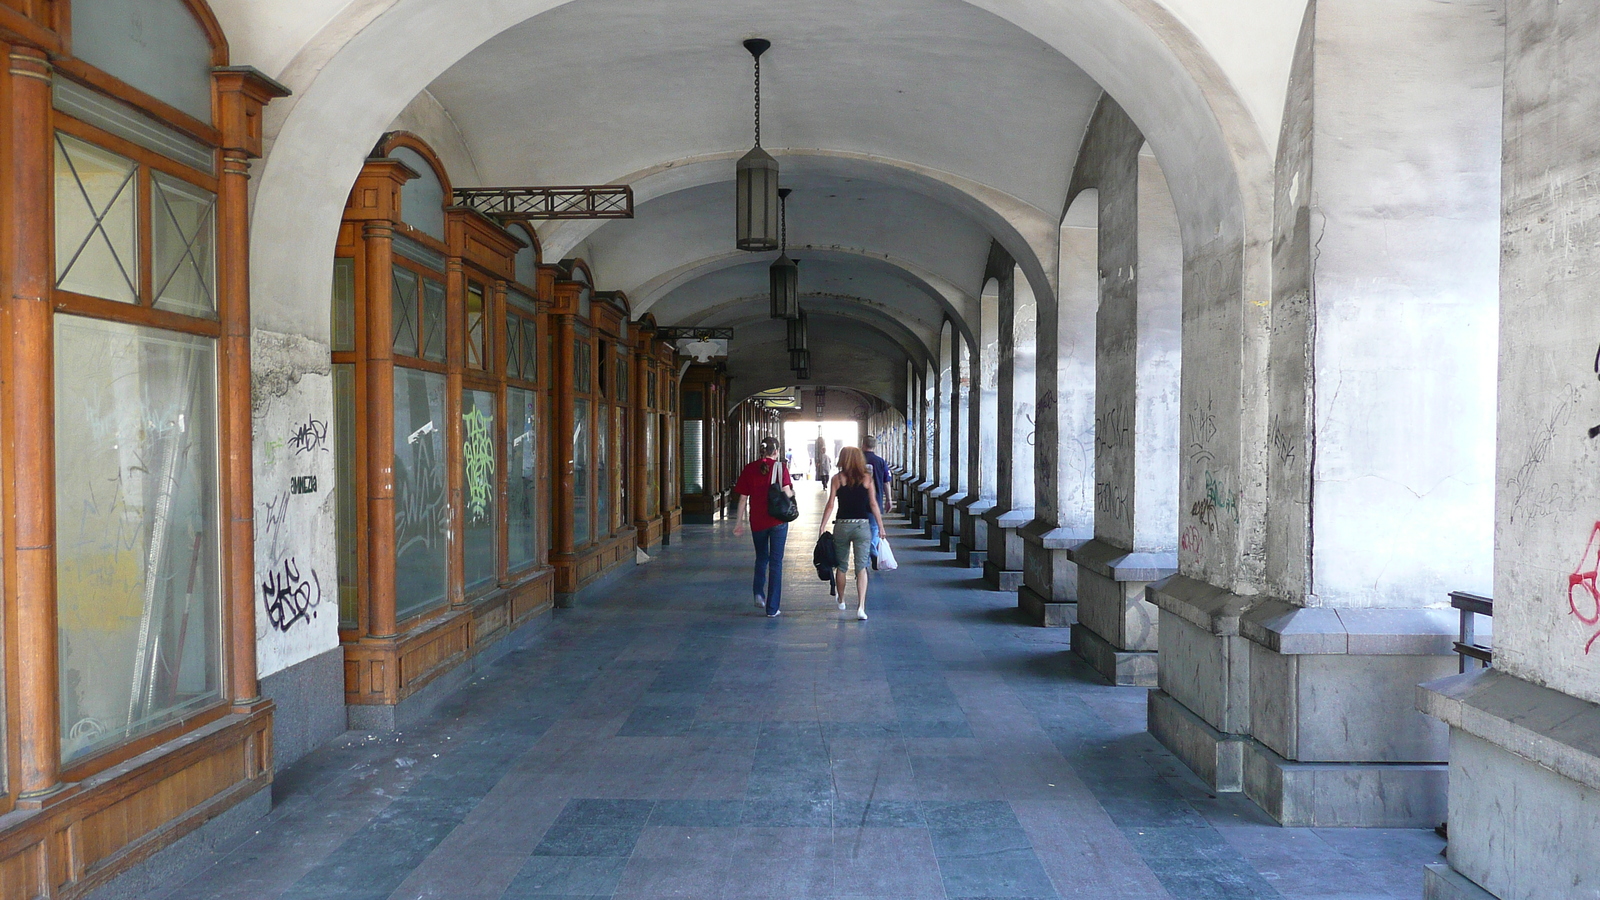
(854, 494)
(880, 480)
(769, 534)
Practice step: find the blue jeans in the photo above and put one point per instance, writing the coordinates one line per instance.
(875, 537)
(769, 563)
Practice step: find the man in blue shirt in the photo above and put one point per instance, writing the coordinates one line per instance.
(880, 477)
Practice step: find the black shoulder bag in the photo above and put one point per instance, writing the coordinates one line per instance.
(781, 504)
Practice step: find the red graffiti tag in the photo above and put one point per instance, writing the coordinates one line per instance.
(1582, 582)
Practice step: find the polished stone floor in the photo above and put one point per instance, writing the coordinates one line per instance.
(668, 740)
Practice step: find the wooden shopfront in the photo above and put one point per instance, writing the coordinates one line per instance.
(654, 367)
(704, 479)
(594, 530)
(131, 708)
(441, 387)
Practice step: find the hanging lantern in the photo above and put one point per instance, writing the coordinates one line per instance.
(757, 179)
(798, 332)
(799, 359)
(785, 272)
(803, 374)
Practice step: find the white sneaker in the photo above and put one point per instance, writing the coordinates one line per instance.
(861, 614)
(761, 601)
(841, 604)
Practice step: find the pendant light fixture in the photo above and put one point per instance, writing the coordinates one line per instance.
(785, 273)
(798, 332)
(800, 362)
(757, 179)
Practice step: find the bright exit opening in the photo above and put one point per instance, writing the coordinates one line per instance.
(809, 442)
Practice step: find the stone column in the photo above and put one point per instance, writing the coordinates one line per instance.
(1527, 728)
(1002, 569)
(958, 445)
(983, 428)
(1380, 441)
(1138, 343)
(1063, 443)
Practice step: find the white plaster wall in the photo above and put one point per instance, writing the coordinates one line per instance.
(1405, 292)
(985, 399)
(426, 118)
(1022, 344)
(1160, 333)
(1067, 488)
(297, 575)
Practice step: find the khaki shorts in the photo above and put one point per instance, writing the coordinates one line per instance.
(857, 533)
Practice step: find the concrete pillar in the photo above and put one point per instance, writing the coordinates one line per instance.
(1138, 345)
(1019, 315)
(1064, 431)
(1529, 728)
(1380, 437)
(983, 433)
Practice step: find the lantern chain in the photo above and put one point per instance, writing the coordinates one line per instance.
(783, 224)
(758, 101)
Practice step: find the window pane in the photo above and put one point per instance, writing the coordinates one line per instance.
(581, 369)
(522, 455)
(530, 349)
(344, 304)
(622, 376)
(605, 370)
(513, 346)
(652, 469)
(136, 530)
(421, 507)
(97, 246)
(477, 458)
(621, 432)
(581, 533)
(405, 311)
(346, 494)
(693, 465)
(183, 232)
(476, 332)
(433, 314)
(602, 479)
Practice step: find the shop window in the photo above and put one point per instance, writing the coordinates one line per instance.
(652, 469)
(346, 497)
(407, 284)
(344, 304)
(581, 532)
(138, 580)
(421, 501)
(602, 480)
(97, 241)
(478, 487)
(522, 478)
(621, 431)
(693, 462)
(582, 356)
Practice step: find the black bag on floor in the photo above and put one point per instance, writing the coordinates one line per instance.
(826, 559)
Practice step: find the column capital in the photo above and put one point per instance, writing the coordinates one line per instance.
(242, 92)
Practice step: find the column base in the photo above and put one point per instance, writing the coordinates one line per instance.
(1046, 613)
(1217, 758)
(1440, 882)
(1136, 668)
(1344, 795)
(947, 541)
(1524, 786)
(970, 558)
(1000, 579)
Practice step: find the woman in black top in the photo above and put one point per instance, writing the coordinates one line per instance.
(855, 495)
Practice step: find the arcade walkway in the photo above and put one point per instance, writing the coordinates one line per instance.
(669, 741)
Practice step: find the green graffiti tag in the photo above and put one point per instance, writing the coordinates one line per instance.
(478, 452)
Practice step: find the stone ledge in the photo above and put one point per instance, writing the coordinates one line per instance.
(1544, 726)
(1002, 517)
(1302, 631)
(1118, 564)
(1052, 538)
(1046, 613)
(1440, 882)
(1200, 604)
(1001, 579)
(1127, 667)
(1344, 795)
(976, 506)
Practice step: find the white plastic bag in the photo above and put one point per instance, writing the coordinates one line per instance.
(886, 555)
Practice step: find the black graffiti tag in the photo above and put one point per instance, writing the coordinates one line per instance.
(313, 435)
(290, 598)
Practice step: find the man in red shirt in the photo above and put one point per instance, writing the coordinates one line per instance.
(769, 533)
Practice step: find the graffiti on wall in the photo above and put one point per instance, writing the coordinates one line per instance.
(1583, 597)
(478, 453)
(309, 436)
(291, 597)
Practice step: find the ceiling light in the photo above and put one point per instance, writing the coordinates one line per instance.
(757, 179)
(785, 273)
(798, 332)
